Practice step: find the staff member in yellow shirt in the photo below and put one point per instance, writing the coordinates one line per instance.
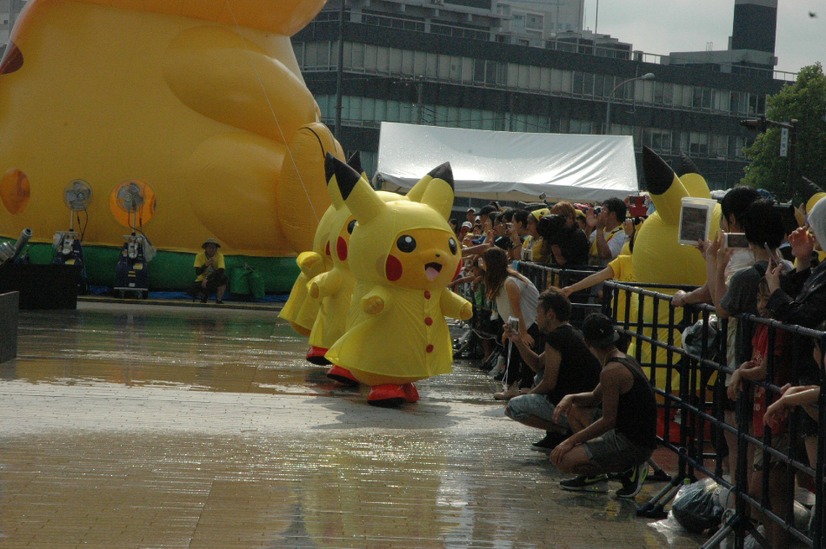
(209, 272)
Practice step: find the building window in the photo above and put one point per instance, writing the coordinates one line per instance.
(534, 21)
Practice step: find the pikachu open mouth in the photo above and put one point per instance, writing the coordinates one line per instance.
(432, 270)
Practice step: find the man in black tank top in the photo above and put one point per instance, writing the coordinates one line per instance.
(624, 437)
(565, 366)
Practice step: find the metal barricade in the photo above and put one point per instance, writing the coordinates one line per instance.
(689, 385)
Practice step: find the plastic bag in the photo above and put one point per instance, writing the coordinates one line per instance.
(696, 506)
(692, 338)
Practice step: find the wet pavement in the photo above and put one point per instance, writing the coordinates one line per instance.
(133, 425)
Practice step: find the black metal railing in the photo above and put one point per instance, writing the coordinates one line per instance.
(689, 384)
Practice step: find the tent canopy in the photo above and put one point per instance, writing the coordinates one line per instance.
(507, 165)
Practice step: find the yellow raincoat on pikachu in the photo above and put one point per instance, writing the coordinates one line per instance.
(406, 254)
(333, 290)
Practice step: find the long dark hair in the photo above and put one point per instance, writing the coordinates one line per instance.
(497, 270)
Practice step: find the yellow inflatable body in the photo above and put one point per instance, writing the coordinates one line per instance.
(403, 254)
(658, 257)
(201, 101)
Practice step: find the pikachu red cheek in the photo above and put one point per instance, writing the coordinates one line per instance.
(393, 268)
(341, 249)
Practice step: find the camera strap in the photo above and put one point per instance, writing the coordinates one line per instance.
(507, 366)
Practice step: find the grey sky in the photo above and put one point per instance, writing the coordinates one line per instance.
(658, 26)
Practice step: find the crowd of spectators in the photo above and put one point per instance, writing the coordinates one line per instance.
(540, 357)
(579, 388)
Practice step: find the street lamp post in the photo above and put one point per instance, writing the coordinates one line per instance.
(646, 76)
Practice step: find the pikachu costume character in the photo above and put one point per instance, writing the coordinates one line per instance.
(659, 258)
(300, 310)
(202, 102)
(335, 288)
(405, 254)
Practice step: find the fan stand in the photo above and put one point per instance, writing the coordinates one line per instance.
(131, 274)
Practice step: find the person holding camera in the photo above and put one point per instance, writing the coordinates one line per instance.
(209, 272)
(515, 297)
(607, 236)
(564, 242)
(564, 366)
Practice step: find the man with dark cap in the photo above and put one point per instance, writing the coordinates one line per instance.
(624, 437)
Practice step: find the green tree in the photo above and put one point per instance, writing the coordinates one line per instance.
(805, 100)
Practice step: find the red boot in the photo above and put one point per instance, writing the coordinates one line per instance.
(411, 394)
(342, 375)
(316, 356)
(386, 396)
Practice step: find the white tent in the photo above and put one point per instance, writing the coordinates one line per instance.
(508, 165)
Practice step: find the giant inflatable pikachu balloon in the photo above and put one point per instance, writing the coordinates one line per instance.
(200, 101)
(406, 254)
(658, 257)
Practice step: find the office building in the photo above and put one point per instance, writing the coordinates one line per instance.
(461, 64)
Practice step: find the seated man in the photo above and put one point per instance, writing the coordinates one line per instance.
(565, 366)
(209, 272)
(624, 437)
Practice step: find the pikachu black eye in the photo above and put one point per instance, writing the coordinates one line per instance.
(406, 243)
(351, 226)
(453, 247)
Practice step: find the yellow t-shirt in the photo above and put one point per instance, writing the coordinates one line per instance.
(201, 259)
(536, 250)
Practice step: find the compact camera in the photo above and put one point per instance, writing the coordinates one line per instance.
(513, 324)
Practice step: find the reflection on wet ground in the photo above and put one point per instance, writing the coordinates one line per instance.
(137, 426)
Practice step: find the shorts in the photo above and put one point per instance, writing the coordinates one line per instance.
(781, 444)
(521, 408)
(213, 283)
(614, 453)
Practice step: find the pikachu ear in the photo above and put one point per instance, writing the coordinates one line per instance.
(416, 192)
(332, 184)
(354, 190)
(355, 162)
(439, 192)
(665, 188)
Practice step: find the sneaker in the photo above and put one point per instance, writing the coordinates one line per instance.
(507, 394)
(584, 483)
(632, 481)
(203, 299)
(499, 369)
(548, 443)
(219, 302)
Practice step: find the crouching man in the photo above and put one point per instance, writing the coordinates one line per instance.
(565, 366)
(624, 437)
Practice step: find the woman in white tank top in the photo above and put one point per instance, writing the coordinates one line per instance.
(516, 297)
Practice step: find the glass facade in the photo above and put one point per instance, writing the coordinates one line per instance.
(420, 78)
